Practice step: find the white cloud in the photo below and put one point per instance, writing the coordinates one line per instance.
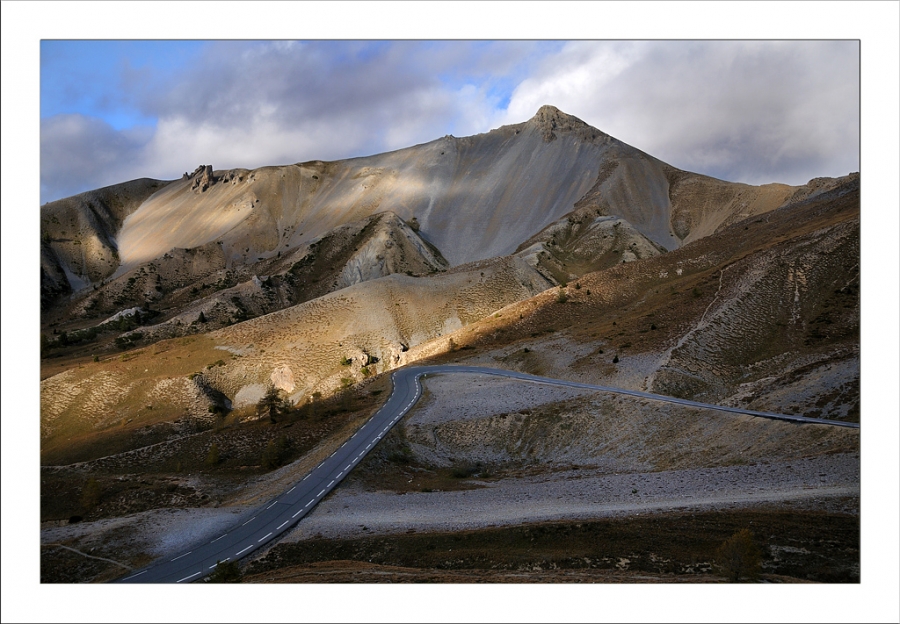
(741, 110)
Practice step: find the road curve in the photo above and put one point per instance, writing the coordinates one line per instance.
(270, 521)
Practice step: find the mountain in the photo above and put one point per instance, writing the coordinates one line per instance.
(469, 199)
(171, 309)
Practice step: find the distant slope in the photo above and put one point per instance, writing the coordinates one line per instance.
(78, 235)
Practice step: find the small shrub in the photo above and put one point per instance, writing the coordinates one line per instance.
(272, 404)
(212, 458)
(403, 456)
(90, 494)
(615, 359)
(739, 557)
(275, 453)
(225, 572)
(464, 471)
(562, 297)
(345, 361)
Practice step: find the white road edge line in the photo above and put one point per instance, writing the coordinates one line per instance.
(218, 562)
(264, 537)
(183, 555)
(282, 524)
(134, 575)
(298, 513)
(249, 521)
(320, 493)
(272, 505)
(305, 506)
(218, 538)
(292, 489)
(245, 550)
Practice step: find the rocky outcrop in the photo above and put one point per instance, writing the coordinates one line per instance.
(202, 177)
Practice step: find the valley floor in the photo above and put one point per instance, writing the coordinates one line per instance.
(812, 488)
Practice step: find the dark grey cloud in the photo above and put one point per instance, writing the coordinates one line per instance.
(76, 149)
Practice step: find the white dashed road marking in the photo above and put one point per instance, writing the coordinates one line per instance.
(187, 577)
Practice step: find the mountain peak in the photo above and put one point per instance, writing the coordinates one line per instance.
(550, 119)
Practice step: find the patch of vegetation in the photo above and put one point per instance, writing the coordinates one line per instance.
(739, 557)
(276, 453)
(225, 572)
(90, 494)
(673, 543)
(212, 458)
(273, 404)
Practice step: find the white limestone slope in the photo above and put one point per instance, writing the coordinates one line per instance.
(476, 197)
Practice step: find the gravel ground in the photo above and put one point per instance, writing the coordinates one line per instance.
(159, 533)
(577, 494)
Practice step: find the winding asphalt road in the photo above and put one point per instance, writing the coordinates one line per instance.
(270, 521)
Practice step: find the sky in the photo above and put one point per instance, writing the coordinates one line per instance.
(752, 111)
